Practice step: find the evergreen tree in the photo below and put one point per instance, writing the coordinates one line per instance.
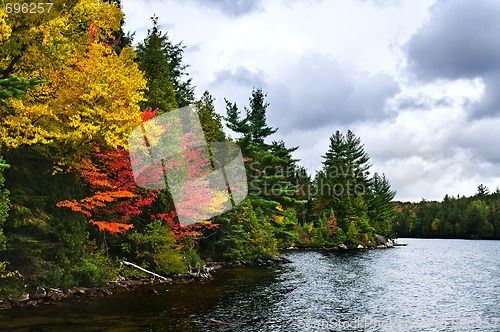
(269, 166)
(13, 87)
(161, 62)
(211, 121)
(344, 176)
(380, 206)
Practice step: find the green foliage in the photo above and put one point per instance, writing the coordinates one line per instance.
(363, 205)
(161, 62)
(14, 87)
(154, 248)
(10, 281)
(243, 234)
(380, 206)
(4, 201)
(475, 217)
(95, 268)
(211, 121)
(352, 234)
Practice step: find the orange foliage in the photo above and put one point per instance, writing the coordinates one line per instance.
(112, 227)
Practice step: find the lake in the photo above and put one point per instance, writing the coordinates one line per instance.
(429, 285)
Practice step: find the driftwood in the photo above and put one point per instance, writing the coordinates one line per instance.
(144, 270)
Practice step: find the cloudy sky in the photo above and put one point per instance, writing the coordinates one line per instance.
(417, 80)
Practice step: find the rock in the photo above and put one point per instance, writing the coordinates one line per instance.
(55, 294)
(91, 292)
(381, 246)
(16, 304)
(380, 239)
(78, 291)
(389, 245)
(360, 246)
(121, 289)
(39, 293)
(106, 291)
(343, 246)
(23, 298)
(32, 303)
(4, 305)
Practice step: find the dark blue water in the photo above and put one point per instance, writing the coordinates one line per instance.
(430, 285)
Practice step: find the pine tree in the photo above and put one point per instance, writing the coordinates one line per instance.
(14, 87)
(380, 206)
(269, 166)
(211, 121)
(161, 62)
(344, 175)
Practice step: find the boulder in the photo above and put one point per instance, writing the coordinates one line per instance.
(5, 305)
(23, 298)
(32, 303)
(55, 295)
(91, 292)
(360, 246)
(381, 246)
(343, 246)
(38, 293)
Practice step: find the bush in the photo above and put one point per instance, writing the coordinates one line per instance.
(154, 248)
(95, 269)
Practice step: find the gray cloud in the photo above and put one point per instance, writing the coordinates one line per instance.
(241, 77)
(460, 40)
(232, 8)
(320, 92)
(422, 102)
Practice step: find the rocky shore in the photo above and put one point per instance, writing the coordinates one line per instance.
(386, 245)
(39, 295)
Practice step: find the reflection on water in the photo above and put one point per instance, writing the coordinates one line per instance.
(430, 285)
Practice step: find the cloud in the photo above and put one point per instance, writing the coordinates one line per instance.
(460, 41)
(232, 8)
(318, 91)
(241, 77)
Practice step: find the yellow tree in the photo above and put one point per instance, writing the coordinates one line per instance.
(90, 93)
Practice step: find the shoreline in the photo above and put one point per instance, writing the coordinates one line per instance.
(40, 295)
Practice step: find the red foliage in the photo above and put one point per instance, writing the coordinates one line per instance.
(115, 196)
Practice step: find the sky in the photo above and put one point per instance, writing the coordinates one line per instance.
(417, 80)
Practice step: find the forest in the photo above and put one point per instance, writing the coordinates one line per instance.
(475, 217)
(72, 88)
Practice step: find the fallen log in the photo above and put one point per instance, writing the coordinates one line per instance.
(144, 270)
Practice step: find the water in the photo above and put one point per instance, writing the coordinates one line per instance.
(430, 285)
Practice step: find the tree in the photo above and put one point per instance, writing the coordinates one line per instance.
(344, 176)
(4, 201)
(89, 93)
(482, 191)
(14, 87)
(253, 127)
(211, 121)
(380, 206)
(270, 167)
(161, 62)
